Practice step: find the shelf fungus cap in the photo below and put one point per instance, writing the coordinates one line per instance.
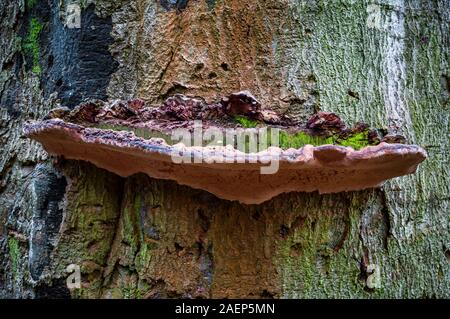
(225, 171)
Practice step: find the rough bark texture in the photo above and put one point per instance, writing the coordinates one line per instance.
(138, 237)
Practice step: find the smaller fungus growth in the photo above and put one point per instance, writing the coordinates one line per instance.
(128, 137)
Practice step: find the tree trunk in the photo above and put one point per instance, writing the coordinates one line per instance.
(384, 63)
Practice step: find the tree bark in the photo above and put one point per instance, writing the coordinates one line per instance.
(384, 63)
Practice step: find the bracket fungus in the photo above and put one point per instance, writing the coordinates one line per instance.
(132, 137)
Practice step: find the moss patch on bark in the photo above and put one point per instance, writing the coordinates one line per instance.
(30, 44)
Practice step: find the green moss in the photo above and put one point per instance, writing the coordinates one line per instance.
(30, 3)
(211, 4)
(83, 4)
(245, 122)
(309, 260)
(129, 292)
(131, 231)
(356, 141)
(301, 139)
(30, 44)
(286, 140)
(139, 132)
(14, 255)
(92, 213)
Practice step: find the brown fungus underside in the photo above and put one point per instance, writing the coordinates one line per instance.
(105, 134)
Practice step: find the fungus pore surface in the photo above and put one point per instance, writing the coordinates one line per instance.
(129, 137)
